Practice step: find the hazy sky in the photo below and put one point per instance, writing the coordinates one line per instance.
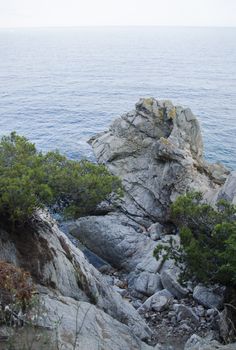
(24, 13)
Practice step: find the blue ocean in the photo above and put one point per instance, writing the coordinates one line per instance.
(60, 86)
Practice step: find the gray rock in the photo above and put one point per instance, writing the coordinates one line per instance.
(209, 297)
(155, 231)
(200, 311)
(121, 291)
(55, 262)
(83, 326)
(186, 313)
(228, 191)
(195, 342)
(136, 303)
(148, 283)
(157, 302)
(211, 312)
(185, 328)
(116, 239)
(169, 281)
(157, 152)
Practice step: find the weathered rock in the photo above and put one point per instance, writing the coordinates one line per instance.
(200, 311)
(85, 327)
(155, 231)
(157, 302)
(228, 191)
(209, 297)
(54, 262)
(157, 152)
(197, 343)
(148, 283)
(121, 291)
(225, 325)
(169, 281)
(186, 313)
(115, 238)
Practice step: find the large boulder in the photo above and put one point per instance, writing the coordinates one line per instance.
(157, 151)
(210, 297)
(115, 238)
(169, 279)
(85, 327)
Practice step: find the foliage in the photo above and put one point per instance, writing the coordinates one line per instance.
(23, 316)
(208, 239)
(16, 287)
(30, 180)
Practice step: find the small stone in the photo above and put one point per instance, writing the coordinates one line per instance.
(185, 327)
(122, 292)
(200, 311)
(211, 312)
(136, 303)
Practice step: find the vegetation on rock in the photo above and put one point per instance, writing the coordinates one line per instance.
(30, 180)
(16, 287)
(208, 240)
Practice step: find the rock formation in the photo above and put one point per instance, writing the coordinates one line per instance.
(157, 151)
(66, 281)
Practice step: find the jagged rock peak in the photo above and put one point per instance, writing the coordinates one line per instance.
(176, 123)
(157, 151)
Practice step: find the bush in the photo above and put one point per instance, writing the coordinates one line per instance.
(208, 240)
(16, 287)
(30, 180)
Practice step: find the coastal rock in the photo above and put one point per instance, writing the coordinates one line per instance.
(157, 302)
(186, 313)
(169, 281)
(85, 327)
(148, 283)
(209, 297)
(228, 191)
(157, 152)
(55, 263)
(115, 238)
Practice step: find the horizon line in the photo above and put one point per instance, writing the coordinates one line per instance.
(117, 26)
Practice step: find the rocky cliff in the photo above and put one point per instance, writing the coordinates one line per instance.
(157, 151)
(73, 290)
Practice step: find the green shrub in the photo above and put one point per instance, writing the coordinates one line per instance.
(30, 180)
(208, 240)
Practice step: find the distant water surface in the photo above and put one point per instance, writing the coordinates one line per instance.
(58, 87)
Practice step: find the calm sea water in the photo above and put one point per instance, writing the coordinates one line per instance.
(58, 87)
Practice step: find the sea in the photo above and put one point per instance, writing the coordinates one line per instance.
(60, 86)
